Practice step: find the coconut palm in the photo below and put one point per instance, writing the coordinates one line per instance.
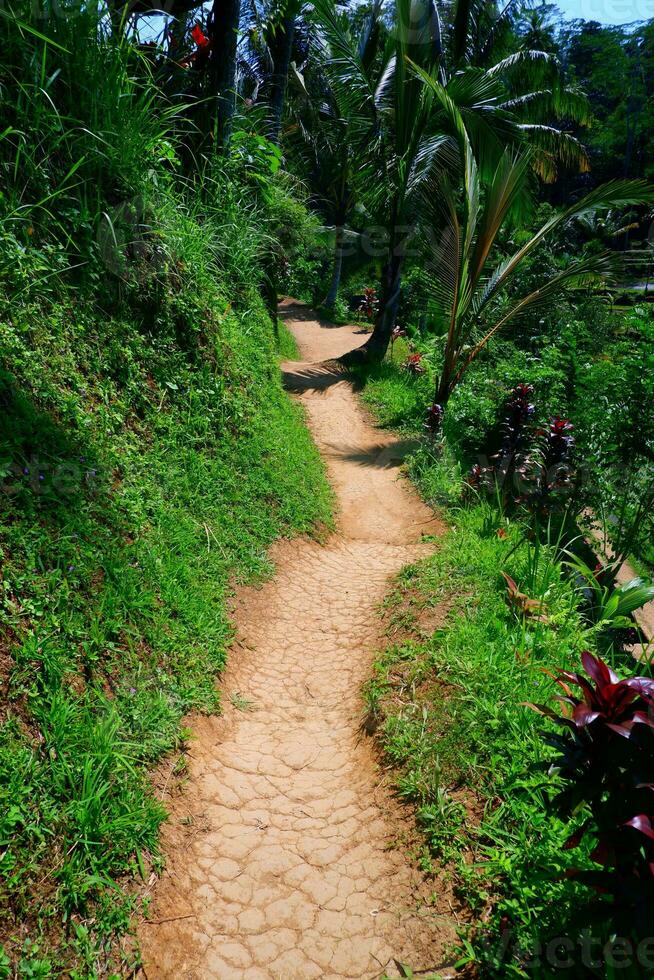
(326, 134)
(275, 29)
(416, 123)
(223, 26)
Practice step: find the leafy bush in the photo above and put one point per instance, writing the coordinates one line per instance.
(605, 762)
(476, 408)
(148, 456)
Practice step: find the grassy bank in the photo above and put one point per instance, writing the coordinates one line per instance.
(451, 713)
(149, 457)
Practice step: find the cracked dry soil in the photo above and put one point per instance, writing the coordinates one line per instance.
(282, 850)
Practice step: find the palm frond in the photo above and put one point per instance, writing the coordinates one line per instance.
(444, 100)
(435, 154)
(509, 183)
(443, 243)
(554, 147)
(474, 88)
(586, 272)
(369, 39)
(487, 44)
(527, 57)
(342, 57)
(461, 29)
(614, 194)
(555, 102)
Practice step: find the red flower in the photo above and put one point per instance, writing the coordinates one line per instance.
(200, 37)
(202, 51)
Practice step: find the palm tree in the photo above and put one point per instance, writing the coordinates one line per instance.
(417, 122)
(465, 283)
(223, 29)
(274, 30)
(537, 31)
(328, 135)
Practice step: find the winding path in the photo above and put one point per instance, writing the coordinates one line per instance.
(284, 858)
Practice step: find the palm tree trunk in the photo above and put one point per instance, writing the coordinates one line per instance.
(332, 295)
(445, 385)
(443, 390)
(281, 48)
(375, 347)
(224, 22)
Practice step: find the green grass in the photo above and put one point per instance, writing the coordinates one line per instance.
(451, 715)
(287, 347)
(468, 752)
(149, 457)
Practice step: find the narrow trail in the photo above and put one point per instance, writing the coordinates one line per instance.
(283, 856)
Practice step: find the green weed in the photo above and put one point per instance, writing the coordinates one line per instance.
(450, 709)
(151, 456)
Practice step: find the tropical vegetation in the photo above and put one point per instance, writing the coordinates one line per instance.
(472, 183)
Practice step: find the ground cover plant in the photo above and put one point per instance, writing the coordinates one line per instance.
(436, 172)
(452, 706)
(148, 457)
(141, 477)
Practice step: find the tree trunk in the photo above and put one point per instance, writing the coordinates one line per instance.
(374, 349)
(332, 295)
(223, 27)
(281, 47)
(443, 391)
(269, 292)
(445, 385)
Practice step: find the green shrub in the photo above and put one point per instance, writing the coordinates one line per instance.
(148, 457)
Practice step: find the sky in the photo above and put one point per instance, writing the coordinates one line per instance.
(607, 11)
(604, 11)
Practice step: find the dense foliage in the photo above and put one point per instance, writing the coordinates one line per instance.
(458, 177)
(148, 455)
(532, 834)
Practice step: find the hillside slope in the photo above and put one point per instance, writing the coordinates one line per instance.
(148, 457)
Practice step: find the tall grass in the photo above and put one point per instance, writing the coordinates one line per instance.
(148, 456)
(84, 125)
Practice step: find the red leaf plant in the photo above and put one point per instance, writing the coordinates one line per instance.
(369, 304)
(605, 763)
(414, 365)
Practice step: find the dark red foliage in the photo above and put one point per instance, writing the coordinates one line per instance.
(434, 419)
(481, 477)
(506, 469)
(548, 471)
(519, 412)
(559, 444)
(369, 304)
(606, 762)
(534, 467)
(414, 365)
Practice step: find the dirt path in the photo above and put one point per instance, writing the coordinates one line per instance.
(281, 859)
